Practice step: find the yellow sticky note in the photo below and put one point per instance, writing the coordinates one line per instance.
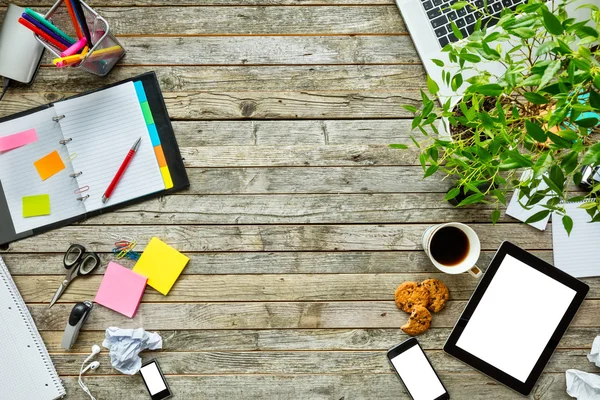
(161, 264)
(49, 165)
(34, 206)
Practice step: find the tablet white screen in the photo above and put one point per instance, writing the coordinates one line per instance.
(515, 318)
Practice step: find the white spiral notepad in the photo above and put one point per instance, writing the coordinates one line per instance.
(26, 370)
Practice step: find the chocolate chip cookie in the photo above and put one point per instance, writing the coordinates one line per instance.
(418, 322)
(438, 294)
(411, 294)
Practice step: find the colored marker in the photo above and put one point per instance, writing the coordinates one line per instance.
(73, 18)
(42, 34)
(75, 48)
(48, 32)
(82, 21)
(107, 52)
(49, 25)
(69, 60)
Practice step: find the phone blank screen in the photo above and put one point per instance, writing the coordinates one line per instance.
(516, 318)
(418, 375)
(153, 378)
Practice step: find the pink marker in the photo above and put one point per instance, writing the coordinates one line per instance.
(80, 44)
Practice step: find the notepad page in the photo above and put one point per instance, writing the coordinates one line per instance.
(26, 369)
(103, 127)
(576, 253)
(20, 178)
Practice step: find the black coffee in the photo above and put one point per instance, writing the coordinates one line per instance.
(449, 246)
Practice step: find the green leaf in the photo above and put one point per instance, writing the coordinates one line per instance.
(550, 72)
(432, 86)
(535, 98)
(585, 30)
(577, 177)
(459, 5)
(551, 185)
(587, 122)
(557, 176)
(544, 48)
(430, 171)
(535, 131)
(597, 82)
(552, 23)
(398, 146)
(538, 216)
(474, 198)
(452, 193)
(560, 142)
(495, 216)
(469, 57)
(533, 80)
(594, 99)
(416, 121)
(410, 108)
(569, 162)
(437, 62)
(523, 33)
(568, 224)
(456, 31)
(490, 89)
(520, 159)
(589, 205)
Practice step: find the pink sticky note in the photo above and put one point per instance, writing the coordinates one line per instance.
(17, 140)
(121, 290)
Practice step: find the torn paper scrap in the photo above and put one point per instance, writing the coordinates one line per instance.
(594, 355)
(15, 140)
(583, 385)
(124, 345)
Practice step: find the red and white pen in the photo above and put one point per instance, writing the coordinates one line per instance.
(121, 171)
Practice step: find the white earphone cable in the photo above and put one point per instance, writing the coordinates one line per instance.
(82, 385)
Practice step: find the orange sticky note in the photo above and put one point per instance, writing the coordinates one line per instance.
(49, 165)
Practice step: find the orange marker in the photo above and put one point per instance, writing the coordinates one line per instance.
(74, 19)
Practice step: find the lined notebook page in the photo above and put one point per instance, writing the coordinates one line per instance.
(26, 370)
(576, 254)
(104, 126)
(20, 178)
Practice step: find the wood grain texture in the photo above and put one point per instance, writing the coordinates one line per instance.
(266, 315)
(277, 237)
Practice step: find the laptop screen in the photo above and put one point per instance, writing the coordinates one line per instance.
(516, 318)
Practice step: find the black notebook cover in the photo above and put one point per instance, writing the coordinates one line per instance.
(169, 146)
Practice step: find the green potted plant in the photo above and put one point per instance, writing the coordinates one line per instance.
(539, 115)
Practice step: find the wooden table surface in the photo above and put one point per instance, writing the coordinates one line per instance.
(300, 222)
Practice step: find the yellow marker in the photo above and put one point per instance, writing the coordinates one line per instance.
(85, 51)
(66, 61)
(109, 51)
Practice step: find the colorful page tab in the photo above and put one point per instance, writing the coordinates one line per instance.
(49, 165)
(17, 140)
(35, 206)
(161, 264)
(121, 290)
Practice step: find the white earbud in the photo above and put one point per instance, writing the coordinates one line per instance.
(91, 366)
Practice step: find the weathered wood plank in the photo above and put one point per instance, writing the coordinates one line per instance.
(243, 3)
(294, 132)
(278, 237)
(298, 208)
(266, 315)
(299, 362)
(315, 387)
(350, 104)
(380, 78)
(295, 339)
(271, 50)
(289, 287)
(351, 262)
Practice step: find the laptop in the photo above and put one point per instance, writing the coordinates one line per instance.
(428, 22)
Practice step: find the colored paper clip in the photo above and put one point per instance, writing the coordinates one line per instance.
(82, 189)
(124, 248)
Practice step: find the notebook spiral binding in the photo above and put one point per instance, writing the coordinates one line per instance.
(76, 174)
(57, 118)
(26, 316)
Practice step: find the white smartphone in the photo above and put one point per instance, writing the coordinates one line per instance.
(155, 381)
(416, 372)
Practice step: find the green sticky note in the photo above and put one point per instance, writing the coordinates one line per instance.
(147, 113)
(34, 206)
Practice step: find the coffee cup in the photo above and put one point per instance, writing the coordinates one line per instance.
(453, 248)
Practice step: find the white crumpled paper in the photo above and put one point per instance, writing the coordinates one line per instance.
(125, 345)
(583, 385)
(594, 355)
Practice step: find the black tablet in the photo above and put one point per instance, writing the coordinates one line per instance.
(515, 318)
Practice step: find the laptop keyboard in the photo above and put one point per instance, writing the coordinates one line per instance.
(440, 15)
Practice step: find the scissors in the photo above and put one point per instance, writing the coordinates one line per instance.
(77, 262)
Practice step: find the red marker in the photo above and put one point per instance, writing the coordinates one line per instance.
(121, 171)
(43, 34)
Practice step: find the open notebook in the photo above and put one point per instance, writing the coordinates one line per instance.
(26, 370)
(576, 253)
(81, 143)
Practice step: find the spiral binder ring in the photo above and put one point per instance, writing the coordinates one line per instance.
(64, 141)
(58, 118)
(75, 175)
(82, 198)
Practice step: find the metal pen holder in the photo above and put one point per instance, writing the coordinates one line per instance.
(107, 48)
